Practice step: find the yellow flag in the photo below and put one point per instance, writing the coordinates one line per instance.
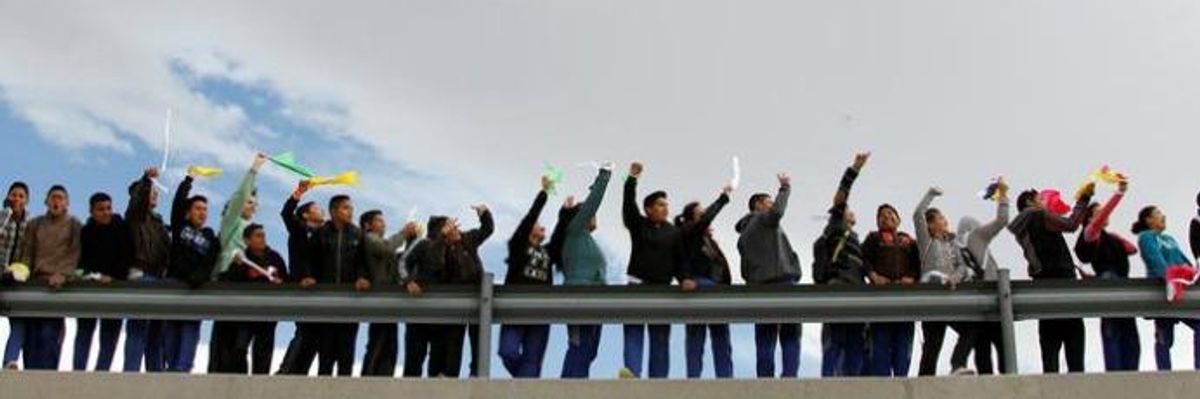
(345, 179)
(204, 171)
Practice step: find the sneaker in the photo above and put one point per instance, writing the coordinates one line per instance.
(11, 366)
(626, 374)
(963, 371)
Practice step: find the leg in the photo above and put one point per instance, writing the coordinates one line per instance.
(932, 334)
(1111, 340)
(882, 343)
(533, 351)
(135, 345)
(16, 341)
(84, 330)
(660, 350)
(1048, 337)
(416, 348)
(189, 338)
(1194, 324)
(635, 341)
(1074, 344)
(723, 351)
(452, 344)
(968, 334)
(326, 348)
(264, 348)
(831, 359)
(765, 337)
(902, 349)
(347, 334)
(696, 334)
(511, 337)
(854, 350)
(789, 345)
(1131, 347)
(110, 332)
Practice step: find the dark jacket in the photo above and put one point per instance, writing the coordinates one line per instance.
(241, 272)
(194, 251)
(846, 263)
(454, 264)
(107, 248)
(767, 253)
(337, 255)
(702, 256)
(151, 240)
(1194, 237)
(1040, 235)
(656, 256)
(300, 236)
(1107, 255)
(895, 260)
(529, 264)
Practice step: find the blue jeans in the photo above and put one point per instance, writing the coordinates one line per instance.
(110, 331)
(16, 340)
(1122, 348)
(891, 349)
(522, 349)
(660, 349)
(43, 344)
(722, 351)
(788, 337)
(179, 340)
(1164, 339)
(143, 340)
(843, 350)
(583, 343)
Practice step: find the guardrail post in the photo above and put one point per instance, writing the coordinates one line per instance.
(1007, 319)
(483, 353)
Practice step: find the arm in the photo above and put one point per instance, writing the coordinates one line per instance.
(138, 209)
(1061, 224)
(288, 214)
(922, 225)
(1092, 232)
(592, 204)
(1194, 237)
(487, 226)
(711, 213)
(179, 208)
(521, 235)
(840, 199)
(630, 213)
(990, 230)
(781, 201)
(237, 201)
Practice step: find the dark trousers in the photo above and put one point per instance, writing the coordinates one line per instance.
(256, 339)
(380, 359)
(445, 355)
(522, 348)
(110, 331)
(766, 336)
(336, 348)
(1122, 348)
(301, 351)
(979, 337)
(934, 334)
(843, 347)
(583, 343)
(43, 344)
(891, 349)
(1061, 335)
(1164, 339)
(222, 349)
(418, 343)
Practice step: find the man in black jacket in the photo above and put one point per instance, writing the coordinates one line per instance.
(418, 337)
(302, 222)
(838, 259)
(107, 252)
(452, 259)
(656, 259)
(194, 252)
(336, 258)
(522, 347)
(151, 254)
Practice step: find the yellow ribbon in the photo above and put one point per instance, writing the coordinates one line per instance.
(346, 179)
(204, 171)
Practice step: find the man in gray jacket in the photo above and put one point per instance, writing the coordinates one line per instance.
(768, 259)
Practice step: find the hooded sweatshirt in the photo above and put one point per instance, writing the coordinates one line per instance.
(232, 223)
(1108, 253)
(846, 252)
(300, 239)
(52, 245)
(942, 258)
(1040, 235)
(194, 250)
(656, 256)
(702, 256)
(529, 264)
(12, 229)
(267, 258)
(583, 261)
(978, 238)
(1160, 251)
(151, 240)
(107, 248)
(767, 254)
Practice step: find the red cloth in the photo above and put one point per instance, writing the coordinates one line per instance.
(1052, 200)
(1179, 278)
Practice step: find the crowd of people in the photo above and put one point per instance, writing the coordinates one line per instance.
(143, 248)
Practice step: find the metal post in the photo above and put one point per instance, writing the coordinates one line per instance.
(483, 353)
(1007, 333)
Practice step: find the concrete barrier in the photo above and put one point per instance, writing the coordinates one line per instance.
(22, 385)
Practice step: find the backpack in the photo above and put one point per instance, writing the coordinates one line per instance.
(972, 263)
(826, 252)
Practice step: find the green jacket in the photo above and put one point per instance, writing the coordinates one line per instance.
(583, 261)
(232, 224)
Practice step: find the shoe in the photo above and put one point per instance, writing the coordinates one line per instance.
(626, 374)
(963, 371)
(12, 366)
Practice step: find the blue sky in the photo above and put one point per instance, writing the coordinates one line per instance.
(446, 104)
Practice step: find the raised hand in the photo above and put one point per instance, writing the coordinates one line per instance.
(936, 191)
(784, 179)
(861, 159)
(152, 172)
(480, 209)
(547, 184)
(259, 160)
(727, 189)
(635, 169)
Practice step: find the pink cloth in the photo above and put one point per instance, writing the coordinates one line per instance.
(1179, 278)
(1052, 200)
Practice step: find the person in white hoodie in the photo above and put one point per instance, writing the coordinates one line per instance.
(977, 238)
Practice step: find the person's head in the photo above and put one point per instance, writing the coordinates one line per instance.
(1150, 218)
(255, 237)
(938, 225)
(18, 197)
(197, 210)
(251, 206)
(850, 219)
(656, 206)
(1093, 211)
(310, 214)
(451, 231)
(341, 210)
(1028, 199)
(100, 207)
(538, 235)
(761, 202)
(435, 224)
(151, 198)
(1198, 200)
(372, 222)
(967, 225)
(57, 201)
(886, 218)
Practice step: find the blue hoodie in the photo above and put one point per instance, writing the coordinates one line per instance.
(1160, 251)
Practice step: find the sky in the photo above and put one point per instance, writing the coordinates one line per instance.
(445, 104)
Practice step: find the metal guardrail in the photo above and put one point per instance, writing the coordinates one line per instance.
(1002, 301)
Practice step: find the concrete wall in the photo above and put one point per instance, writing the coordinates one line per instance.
(21, 385)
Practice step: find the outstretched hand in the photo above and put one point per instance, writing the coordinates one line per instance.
(635, 169)
(860, 160)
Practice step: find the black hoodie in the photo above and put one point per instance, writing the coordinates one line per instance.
(529, 264)
(454, 264)
(656, 256)
(194, 251)
(702, 256)
(243, 273)
(300, 239)
(107, 248)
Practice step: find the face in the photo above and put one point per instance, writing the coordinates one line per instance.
(764, 204)
(938, 224)
(153, 198)
(658, 211)
(56, 203)
(314, 216)
(1157, 221)
(257, 241)
(452, 232)
(376, 225)
(250, 208)
(198, 213)
(888, 220)
(343, 212)
(102, 212)
(18, 198)
(538, 235)
(851, 219)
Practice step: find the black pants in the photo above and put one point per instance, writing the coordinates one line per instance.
(301, 352)
(418, 342)
(1057, 335)
(934, 333)
(445, 354)
(336, 348)
(983, 336)
(380, 359)
(222, 349)
(256, 339)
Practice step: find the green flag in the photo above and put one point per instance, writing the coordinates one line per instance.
(555, 175)
(287, 160)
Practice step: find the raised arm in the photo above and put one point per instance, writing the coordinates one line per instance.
(592, 203)
(487, 226)
(630, 214)
(1060, 224)
(990, 230)
(922, 225)
(781, 199)
(521, 235)
(1092, 232)
(179, 205)
(841, 198)
(138, 210)
(713, 210)
(293, 224)
(237, 201)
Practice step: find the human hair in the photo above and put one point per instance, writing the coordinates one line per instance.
(931, 213)
(1143, 219)
(1026, 199)
(686, 217)
(304, 208)
(368, 217)
(653, 197)
(251, 229)
(756, 198)
(196, 198)
(57, 187)
(97, 198)
(338, 200)
(885, 207)
(13, 187)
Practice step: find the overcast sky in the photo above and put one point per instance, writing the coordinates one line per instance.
(443, 104)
